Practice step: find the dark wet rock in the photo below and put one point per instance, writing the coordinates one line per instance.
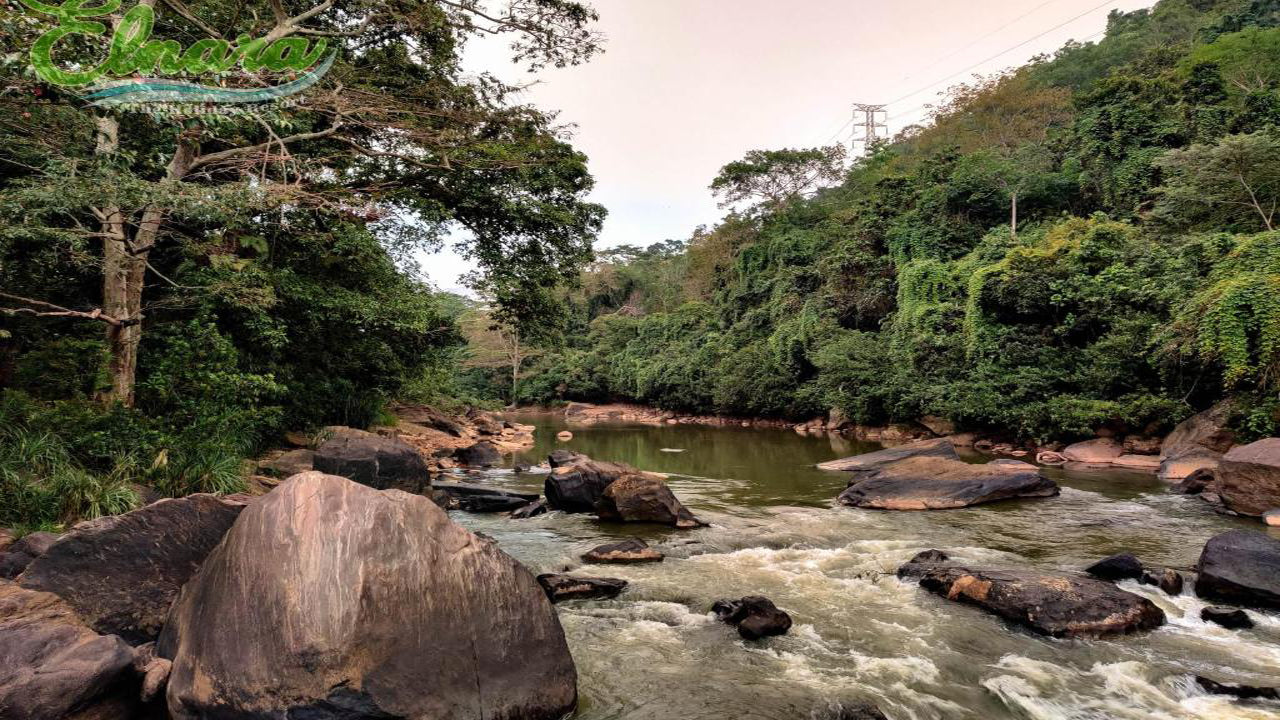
(1117, 567)
(859, 712)
(627, 552)
(483, 498)
(1051, 604)
(1195, 483)
(933, 483)
(20, 554)
(1169, 581)
(1241, 567)
(1249, 478)
(429, 417)
(533, 509)
(484, 423)
(53, 666)
(329, 599)
(290, 463)
(560, 588)
(121, 573)
(755, 616)
(917, 565)
(482, 454)
(374, 460)
(938, 448)
(1244, 692)
(560, 458)
(644, 498)
(1230, 618)
(577, 487)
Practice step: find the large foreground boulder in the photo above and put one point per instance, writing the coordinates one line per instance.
(1058, 605)
(329, 600)
(644, 498)
(121, 573)
(1249, 478)
(52, 666)
(936, 483)
(1241, 567)
(940, 448)
(374, 460)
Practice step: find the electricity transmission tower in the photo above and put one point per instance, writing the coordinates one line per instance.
(871, 121)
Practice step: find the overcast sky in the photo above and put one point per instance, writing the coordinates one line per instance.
(686, 86)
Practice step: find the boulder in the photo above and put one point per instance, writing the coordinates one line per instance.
(560, 458)
(52, 666)
(1141, 463)
(429, 417)
(20, 554)
(1051, 458)
(1187, 462)
(533, 509)
(560, 588)
(1241, 567)
(922, 561)
(290, 463)
(1206, 430)
(1099, 452)
(627, 552)
(1249, 477)
(564, 436)
(1244, 692)
(1169, 581)
(1139, 445)
(935, 483)
(756, 617)
(330, 599)
(121, 573)
(838, 420)
(861, 711)
(1117, 567)
(374, 460)
(482, 454)
(644, 498)
(938, 448)
(1195, 483)
(482, 498)
(1056, 605)
(7, 538)
(1230, 618)
(1271, 518)
(578, 486)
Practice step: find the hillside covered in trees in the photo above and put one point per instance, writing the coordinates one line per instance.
(1084, 241)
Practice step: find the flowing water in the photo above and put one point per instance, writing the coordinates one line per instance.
(860, 634)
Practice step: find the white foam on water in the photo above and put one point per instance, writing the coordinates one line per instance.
(1182, 614)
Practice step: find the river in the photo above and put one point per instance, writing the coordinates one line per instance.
(860, 634)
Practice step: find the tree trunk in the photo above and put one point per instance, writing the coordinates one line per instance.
(515, 368)
(1013, 216)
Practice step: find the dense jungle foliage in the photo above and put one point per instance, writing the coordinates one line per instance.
(178, 289)
(1088, 240)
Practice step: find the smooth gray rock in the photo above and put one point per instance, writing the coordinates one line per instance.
(1240, 567)
(936, 483)
(327, 594)
(644, 498)
(23, 551)
(1249, 478)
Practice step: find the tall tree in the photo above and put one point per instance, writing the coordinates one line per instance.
(1234, 182)
(771, 179)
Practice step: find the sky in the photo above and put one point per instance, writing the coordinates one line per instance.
(686, 86)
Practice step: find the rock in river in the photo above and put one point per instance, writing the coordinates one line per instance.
(482, 454)
(560, 588)
(329, 599)
(1057, 605)
(756, 617)
(939, 448)
(1249, 478)
(1230, 618)
(1241, 567)
(934, 483)
(644, 498)
(1117, 567)
(51, 665)
(627, 552)
(577, 483)
(1244, 692)
(482, 498)
(121, 573)
(373, 460)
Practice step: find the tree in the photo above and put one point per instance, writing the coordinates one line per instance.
(493, 343)
(774, 178)
(395, 135)
(1223, 184)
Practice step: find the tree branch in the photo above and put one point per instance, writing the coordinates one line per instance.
(52, 310)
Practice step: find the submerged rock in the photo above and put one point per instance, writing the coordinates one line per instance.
(53, 666)
(755, 616)
(644, 498)
(1249, 478)
(121, 573)
(1241, 567)
(933, 483)
(24, 550)
(1123, 566)
(1169, 581)
(627, 552)
(533, 509)
(1230, 618)
(1244, 692)
(938, 448)
(1195, 483)
(560, 588)
(482, 498)
(329, 599)
(374, 460)
(1050, 604)
(859, 712)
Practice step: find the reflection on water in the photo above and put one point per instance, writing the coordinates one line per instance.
(655, 653)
